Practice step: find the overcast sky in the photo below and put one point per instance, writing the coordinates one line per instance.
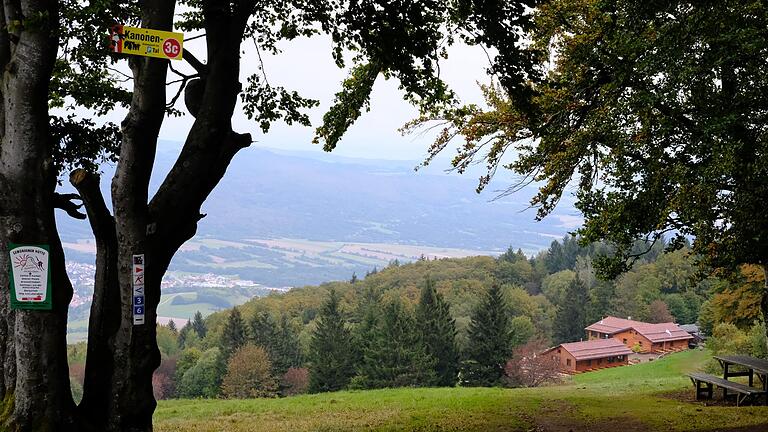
(306, 66)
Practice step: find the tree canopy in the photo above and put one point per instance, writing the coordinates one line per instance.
(653, 111)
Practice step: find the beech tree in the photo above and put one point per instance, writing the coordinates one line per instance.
(54, 56)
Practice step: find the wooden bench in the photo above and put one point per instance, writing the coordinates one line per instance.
(743, 392)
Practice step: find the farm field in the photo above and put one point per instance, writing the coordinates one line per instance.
(645, 397)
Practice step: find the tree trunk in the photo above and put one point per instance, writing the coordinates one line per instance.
(134, 354)
(105, 307)
(35, 380)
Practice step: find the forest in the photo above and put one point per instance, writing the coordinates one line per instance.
(443, 322)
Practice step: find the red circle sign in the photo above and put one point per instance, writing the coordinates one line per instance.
(171, 48)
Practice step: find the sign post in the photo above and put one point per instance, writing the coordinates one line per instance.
(30, 277)
(146, 42)
(138, 289)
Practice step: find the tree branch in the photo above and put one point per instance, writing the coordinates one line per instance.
(65, 202)
(200, 67)
(87, 185)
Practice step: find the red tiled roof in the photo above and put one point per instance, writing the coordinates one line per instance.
(663, 332)
(654, 332)
(611, 325)
(596, 348)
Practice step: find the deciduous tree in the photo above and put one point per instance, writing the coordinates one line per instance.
(249, 375)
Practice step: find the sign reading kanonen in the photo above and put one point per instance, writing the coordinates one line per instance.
(146, 42)
(30, 278)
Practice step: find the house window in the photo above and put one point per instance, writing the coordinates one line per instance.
(568, 362)
(558, 350)
(589, 362)
(625, 341)
(620, 358)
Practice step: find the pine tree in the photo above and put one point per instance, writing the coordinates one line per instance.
(234, 334)
(490, 341)
(572, 314)
(331, 365)
(395, 355)
(437, 330)
(172, 326)
(198, 324)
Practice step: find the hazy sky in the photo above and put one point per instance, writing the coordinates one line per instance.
(306, 66)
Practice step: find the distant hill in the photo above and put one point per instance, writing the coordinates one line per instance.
(277, 194)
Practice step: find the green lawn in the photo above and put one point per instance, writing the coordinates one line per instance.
(650, 396)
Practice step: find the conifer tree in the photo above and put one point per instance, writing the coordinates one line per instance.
(263, 329)
(572, 314)
(184, 334)
(395, 355)
(198, 324)
(490, 341)
(438, 333)
(234, 334)
(284, 350)
(331, 365)
(172, 326)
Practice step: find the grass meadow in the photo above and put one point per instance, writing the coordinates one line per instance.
(645, 397)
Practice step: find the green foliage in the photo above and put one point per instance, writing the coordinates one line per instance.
(490, 341)
(187, 359)
(758, 341)
(394, 354)
(555, 285)
(234, 334)
(249, 374)
(572, 314)
(167, 341)
(437, 330)
(198, 325)
(280, 339)
(331, 356)
(652, 109)
(522, 330)
(204, 378)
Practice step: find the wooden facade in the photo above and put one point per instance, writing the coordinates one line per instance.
(648, 337)
(590, 355)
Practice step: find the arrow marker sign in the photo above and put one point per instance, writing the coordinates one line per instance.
(138, 289)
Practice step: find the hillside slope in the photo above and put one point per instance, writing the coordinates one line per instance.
(645, 397)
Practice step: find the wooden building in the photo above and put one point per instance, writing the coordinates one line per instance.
(649, 338)
(590, 355)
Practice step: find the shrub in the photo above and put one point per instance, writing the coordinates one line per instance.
(295, 381)
(163, 383)
(528, 368)
(249, 374)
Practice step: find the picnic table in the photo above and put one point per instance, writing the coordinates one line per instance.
(747, 366)
(754, 366)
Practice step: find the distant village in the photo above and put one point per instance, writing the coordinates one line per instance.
(82, 275)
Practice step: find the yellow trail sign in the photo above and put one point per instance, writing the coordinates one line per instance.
(146, 42)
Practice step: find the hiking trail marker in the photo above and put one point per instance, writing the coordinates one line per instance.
(30, 277)
(146, 42)
(138, 289)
